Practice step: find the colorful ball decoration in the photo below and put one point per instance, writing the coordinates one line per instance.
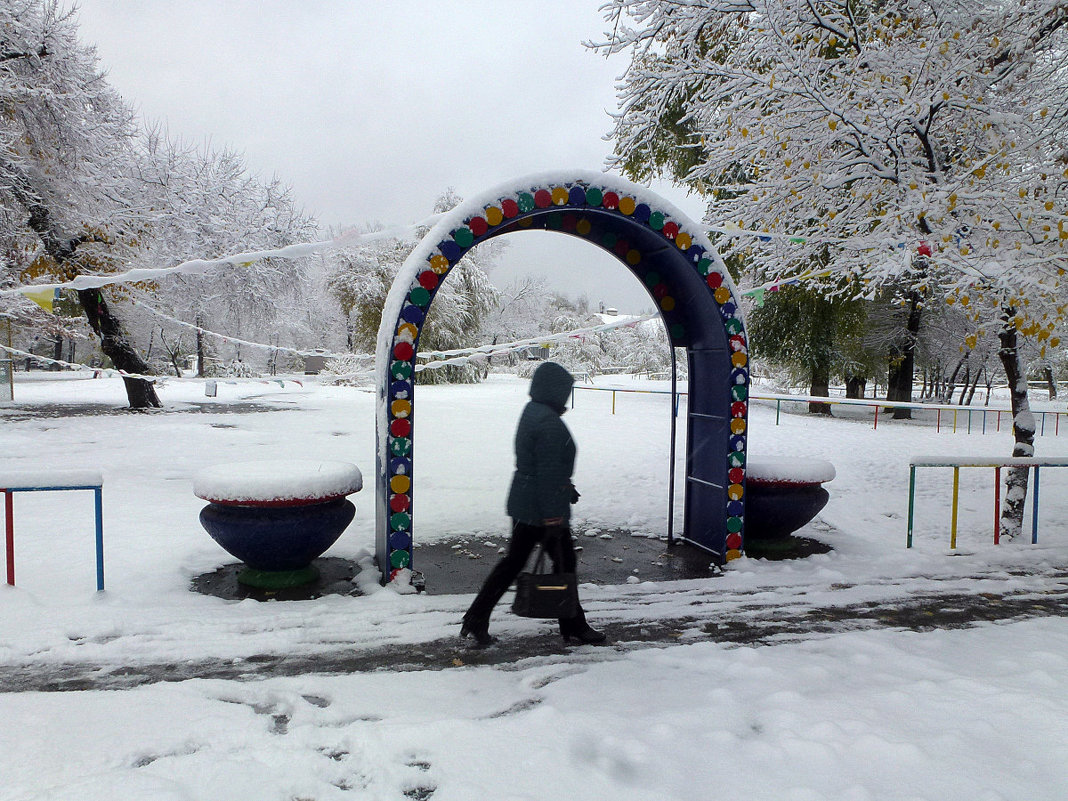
(519, 211)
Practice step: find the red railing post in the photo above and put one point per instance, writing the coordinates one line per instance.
(997, 505)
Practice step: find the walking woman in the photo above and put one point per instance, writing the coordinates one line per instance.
(539, 503)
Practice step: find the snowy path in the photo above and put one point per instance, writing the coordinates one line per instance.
(633, 618)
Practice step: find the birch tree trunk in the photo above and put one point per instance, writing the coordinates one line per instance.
(1023, 426)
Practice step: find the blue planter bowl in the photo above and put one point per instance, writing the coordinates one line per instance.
(277, 538)
(776, 509)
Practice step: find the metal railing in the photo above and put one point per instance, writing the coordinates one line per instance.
(979, 461)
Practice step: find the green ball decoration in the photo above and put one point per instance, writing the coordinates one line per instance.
(463, 237)
(419, 296)
(400, 446)
(738, 393)
(594, 197)
(736, 459)
(656, 220)
(400, 370)
(734, 326)
(678, 331)
(704, 265)
(400, 559)
(652, 278)
(525, 201)
(400, 521)
(734, 524)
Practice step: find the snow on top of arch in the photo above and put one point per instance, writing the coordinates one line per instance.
(476, 205)
(277, 481)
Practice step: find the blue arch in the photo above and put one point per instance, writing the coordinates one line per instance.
(682, 273)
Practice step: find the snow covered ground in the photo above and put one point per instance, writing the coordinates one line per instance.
(976, 713)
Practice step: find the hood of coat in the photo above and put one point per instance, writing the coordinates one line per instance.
(551, 384)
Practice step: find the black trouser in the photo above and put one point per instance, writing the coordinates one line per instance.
(524, 539)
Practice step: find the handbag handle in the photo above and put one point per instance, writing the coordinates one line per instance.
(539, 561)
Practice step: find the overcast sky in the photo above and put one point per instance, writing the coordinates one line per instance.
(371, 109)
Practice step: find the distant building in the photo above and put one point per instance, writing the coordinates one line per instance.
(315, 363)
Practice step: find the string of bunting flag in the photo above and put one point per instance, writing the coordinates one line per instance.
(439, 359)
(201, 266)
(43, 294)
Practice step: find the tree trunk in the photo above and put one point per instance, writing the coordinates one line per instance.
(1047, 371)
(964, 384)
(975, 383)
(820, 388)
(903, 360)
(1023, 426)
(947, 395)
(141, 393)
(855, 387)
(200, 347)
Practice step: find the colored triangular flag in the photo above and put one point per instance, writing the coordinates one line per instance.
(42, 297)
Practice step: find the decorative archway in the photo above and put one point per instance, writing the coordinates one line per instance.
(682, 272)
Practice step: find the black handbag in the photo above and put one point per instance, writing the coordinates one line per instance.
(542, 594)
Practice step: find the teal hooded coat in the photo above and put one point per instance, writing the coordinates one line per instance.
(544, 451)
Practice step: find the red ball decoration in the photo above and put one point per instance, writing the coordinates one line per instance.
(737, 342)
(428, 279)
(610, 201)
(660, 290)
(401, 427)
(621, 247)
(714, 280)
(403, 351)
(478, 226)
(399, 503)
(735, 475)
(670, 229)
(543, 199)
(738, 409)
(734, 541)
(510, 208)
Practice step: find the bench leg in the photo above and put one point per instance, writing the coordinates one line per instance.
(99, 540)
(9, 517)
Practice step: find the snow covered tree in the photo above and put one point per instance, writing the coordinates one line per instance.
(206, 204)
(819, 331)
(361, 278)
(922, 142)
(64, 137)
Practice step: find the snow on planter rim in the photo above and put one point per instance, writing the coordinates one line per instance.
(790, 470)
(289, 482)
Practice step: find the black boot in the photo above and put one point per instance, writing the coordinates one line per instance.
(479, 629)
(576, 628)
(586, 636)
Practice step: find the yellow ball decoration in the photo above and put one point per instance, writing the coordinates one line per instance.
(683, 240)
(400, 484)
(627, 205)
(494, 215)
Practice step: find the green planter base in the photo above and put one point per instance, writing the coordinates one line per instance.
(277, 579)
